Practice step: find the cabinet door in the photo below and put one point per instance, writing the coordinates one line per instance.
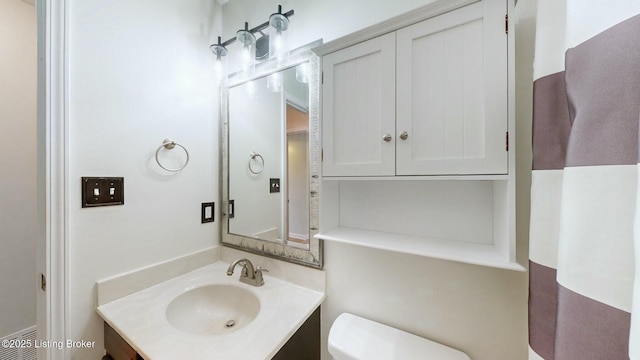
(359, 109)
(452, 93)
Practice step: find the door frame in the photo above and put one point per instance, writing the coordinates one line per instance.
(52, 248)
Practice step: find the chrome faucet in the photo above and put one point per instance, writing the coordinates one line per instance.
(249, 275)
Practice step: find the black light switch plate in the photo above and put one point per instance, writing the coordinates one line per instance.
(274, 185)
(207, 214)
(102, 191)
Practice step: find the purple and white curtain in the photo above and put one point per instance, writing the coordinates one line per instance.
(585, 207)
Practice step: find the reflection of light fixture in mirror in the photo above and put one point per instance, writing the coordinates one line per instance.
(302, 73)
(278, 24)
(221, 58)
(251, 89)
(248, 52)
(274, 82)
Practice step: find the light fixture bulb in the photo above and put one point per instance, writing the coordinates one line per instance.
(278, 25)
(219, 69)
(278, 42)
(248, 52)
(219, 64)
(245, 56)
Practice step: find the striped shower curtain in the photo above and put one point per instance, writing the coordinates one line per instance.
(585, 212)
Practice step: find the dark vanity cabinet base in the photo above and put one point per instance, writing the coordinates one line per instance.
(303, 345)
(116, 347)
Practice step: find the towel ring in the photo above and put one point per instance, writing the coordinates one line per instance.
(253, 156)
(169, 145)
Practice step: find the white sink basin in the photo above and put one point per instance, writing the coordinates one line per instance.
(213, 309)
(184, 317)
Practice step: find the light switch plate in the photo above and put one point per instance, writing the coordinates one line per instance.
(274, 185)
(207, 214)
(102, 191)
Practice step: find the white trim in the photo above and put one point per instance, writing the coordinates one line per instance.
(53, 170)
(296, 102)
(409, 18)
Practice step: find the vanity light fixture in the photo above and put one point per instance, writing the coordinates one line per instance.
(278, 49)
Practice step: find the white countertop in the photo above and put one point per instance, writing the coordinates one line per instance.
(140, 318)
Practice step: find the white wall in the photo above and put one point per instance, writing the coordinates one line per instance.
(255, 125)
(17, 166)
(139, 72)
(482, 311)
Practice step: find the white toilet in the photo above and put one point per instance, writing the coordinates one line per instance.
(354, 338)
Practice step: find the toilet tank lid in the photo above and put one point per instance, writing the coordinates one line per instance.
(355, 338)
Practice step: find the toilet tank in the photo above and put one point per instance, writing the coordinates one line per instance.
(354, 338)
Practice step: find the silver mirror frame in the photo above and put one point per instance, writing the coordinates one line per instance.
(313, 257)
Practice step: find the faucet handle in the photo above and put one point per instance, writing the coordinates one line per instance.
(258, 275)
(245, 269)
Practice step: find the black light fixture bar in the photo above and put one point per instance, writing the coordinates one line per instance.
(255, 29)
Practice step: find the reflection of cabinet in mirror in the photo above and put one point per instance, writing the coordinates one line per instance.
(415, 117)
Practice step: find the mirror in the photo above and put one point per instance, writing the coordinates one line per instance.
(270, 160)
(268, 152)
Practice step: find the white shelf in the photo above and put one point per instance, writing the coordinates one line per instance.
(488, 177)
(460, 251)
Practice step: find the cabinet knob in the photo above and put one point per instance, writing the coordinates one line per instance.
(386, 137)
(403, 135)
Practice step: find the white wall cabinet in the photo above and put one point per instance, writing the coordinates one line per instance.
(427, 99)
(359, 109)
(443, 76)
